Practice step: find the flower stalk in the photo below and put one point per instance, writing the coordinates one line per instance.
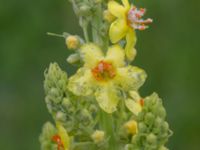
(100, 107)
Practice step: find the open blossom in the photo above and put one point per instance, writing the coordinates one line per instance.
(128, 19)
(105, 76)
(61, 138)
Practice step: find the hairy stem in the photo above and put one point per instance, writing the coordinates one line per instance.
(85, 32)
(108, 127)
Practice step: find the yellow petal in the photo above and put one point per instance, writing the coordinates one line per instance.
(118, 30)
(108, 97)
(116, 55)
(130, 78)
(64, 135)
(81, 83)
(116, 9)
(126, 4)
(135, 96)
(133, 106)
(131, 54)
(130, 44)
(91, 54)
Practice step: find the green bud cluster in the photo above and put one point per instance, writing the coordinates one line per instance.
(153, 130)
(85, 8)
(55, 86)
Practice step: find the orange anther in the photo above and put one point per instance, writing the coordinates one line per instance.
(57, 139)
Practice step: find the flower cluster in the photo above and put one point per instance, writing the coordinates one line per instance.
(99, 107)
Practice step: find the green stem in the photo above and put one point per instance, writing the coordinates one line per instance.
(85, 32)
(54, 34)
(108, 126)
(96, 25)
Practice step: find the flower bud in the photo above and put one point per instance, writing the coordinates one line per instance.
(158, 122)
(149, 118)
(98, 136)
(72, 42)
(85, 117)
(84, 10)
(142, 127)
(50, 108)
(60, 116)
(165, 126)
(54, 92)
(151, 138)
(93, 108)
(73, 58)
(108, 16)
(162, 112)
(131, 127)
(66, 103)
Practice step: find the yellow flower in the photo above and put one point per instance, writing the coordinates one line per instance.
(128, 19)
(62, 138)
(105, 76)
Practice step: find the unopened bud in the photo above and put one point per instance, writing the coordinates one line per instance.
(72, 42)
(165, 126)
(66, 103)
(84, 10)
(162, 112)
(60, 116)
(149, 118)
(73, 58)
(85, 117)
(151, 138)
(98, 136)
(142, 127)
(93, 109)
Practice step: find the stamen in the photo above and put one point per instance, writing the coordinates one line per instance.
(134, 18)
(57, 139)
(103, 71)
(142, 102)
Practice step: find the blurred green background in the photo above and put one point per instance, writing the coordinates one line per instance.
(169, 52)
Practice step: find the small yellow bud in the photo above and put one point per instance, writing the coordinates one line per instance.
(108, 16)
(98, 136)
(72, 42)
(131, 127)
